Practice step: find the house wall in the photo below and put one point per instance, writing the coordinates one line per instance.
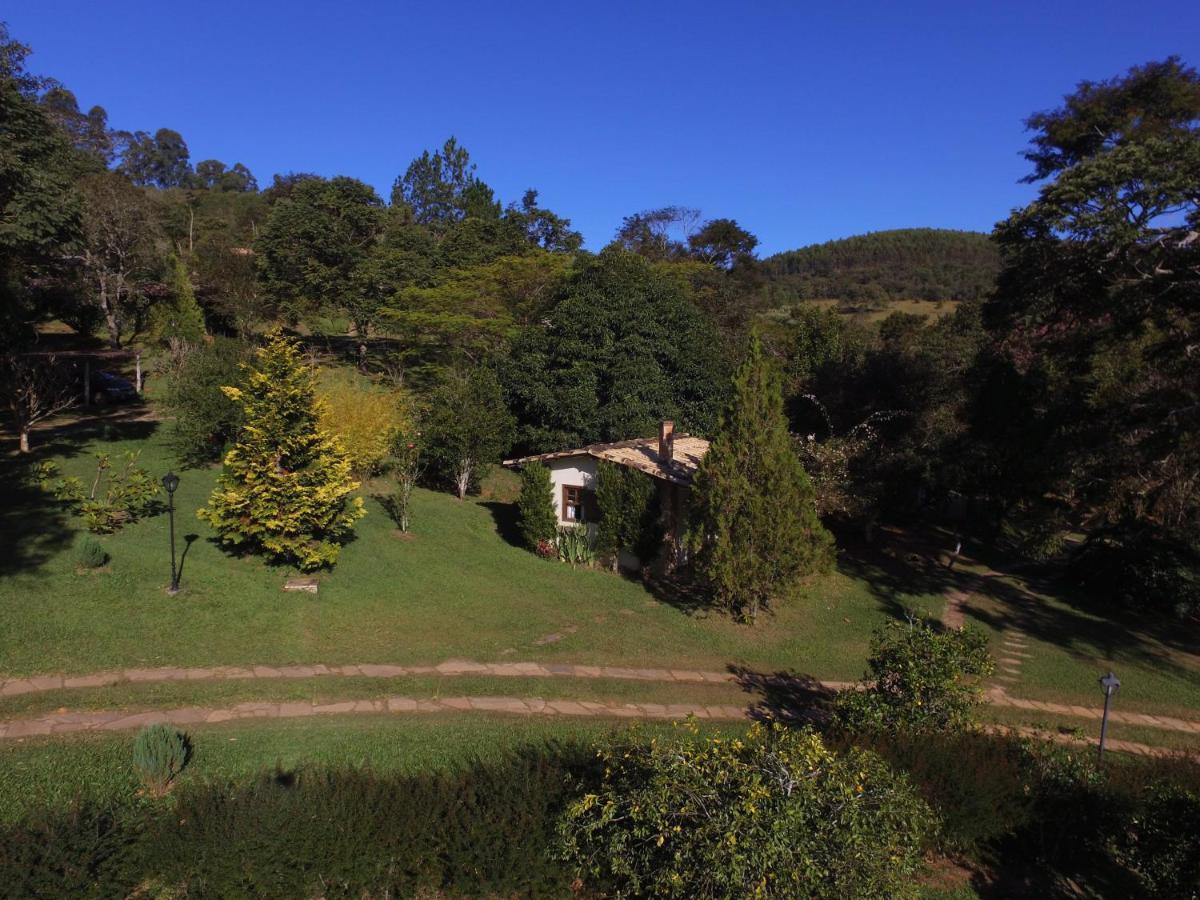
(571, 470)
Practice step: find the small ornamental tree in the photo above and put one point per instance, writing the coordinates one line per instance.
(406, 467)
(467, 428)
(284, 491)
(754, 519)
(772, 813)
(918, 679)
(630, 515)
(535, 508)
(179, 320)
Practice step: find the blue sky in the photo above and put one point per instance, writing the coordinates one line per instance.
(803, 121)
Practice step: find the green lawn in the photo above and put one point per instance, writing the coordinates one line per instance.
(1070, 647)
(458, 588)
(52, 772)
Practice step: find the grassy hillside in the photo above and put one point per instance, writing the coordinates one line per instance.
(928, 264)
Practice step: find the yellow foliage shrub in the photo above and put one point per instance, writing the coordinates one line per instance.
(364, 415)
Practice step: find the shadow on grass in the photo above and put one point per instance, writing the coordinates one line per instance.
(908, 563)
(33, 526)
(504, 515)
(788, 697)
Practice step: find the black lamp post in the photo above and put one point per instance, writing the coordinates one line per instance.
(1111, 685)
(171, 481)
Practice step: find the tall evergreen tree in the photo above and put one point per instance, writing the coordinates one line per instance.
(286, 481)
(535, 506)
(754, 519)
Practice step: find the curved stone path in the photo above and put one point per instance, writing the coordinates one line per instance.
(116, 720)
(995, 696)
(12, 687)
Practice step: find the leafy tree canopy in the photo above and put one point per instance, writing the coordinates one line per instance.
(1095, 317)
(621, 349)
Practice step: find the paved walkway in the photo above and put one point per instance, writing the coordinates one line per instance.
(996, 696)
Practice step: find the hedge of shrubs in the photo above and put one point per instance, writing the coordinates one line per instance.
(498, 829)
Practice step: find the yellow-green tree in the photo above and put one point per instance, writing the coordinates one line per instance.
(285, 488)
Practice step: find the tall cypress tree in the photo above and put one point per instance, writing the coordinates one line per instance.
(754, 520)
(286, 481)
(535, 506)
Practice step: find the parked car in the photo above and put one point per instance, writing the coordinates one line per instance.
(109, 388)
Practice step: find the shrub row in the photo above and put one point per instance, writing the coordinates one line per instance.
(1130, 829)
(486, 830)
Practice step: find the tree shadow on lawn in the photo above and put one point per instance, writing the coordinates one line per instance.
(68, 438)
(504, 515)
(788, 697)
(34, 527)
(892, 568)
(898, 566)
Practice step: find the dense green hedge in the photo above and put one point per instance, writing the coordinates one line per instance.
(1129, 829)
(332, 833)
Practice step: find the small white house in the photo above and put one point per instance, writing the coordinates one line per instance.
(671, 459)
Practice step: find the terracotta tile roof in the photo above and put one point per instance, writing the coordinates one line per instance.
(638, 453)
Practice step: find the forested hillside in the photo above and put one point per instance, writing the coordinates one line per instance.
(905, 264)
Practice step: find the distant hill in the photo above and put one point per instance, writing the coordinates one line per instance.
(884, 266)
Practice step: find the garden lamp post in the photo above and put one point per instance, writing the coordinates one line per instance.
(171, 481)
(1111, 685)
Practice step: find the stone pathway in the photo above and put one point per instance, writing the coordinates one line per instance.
(996, 696)
(1000, 697)
(14, 686)
(1013, 644)
(116, 720)
(104, 721)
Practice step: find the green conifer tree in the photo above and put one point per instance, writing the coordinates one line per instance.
(630, 514)
(179, 321)
(535, 506)
(754, 520)
(284, 490)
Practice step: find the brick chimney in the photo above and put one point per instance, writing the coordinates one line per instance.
(666, 442)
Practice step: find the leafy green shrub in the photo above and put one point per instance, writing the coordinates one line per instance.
(486, 830)
(630, 514)
(205, 419)
(1160, 843)
(1142, 570)
(159, 754)
(83, 851)
(535, 507)
(90, 554)
(976, 783)
(116, 497)
(286, 482)
(918, 679)
(770, 814)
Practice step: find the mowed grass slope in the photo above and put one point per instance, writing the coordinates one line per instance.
(457, 588)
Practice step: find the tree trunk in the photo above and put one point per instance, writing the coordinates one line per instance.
(110, 316)
(462, 478)
(24, 438)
